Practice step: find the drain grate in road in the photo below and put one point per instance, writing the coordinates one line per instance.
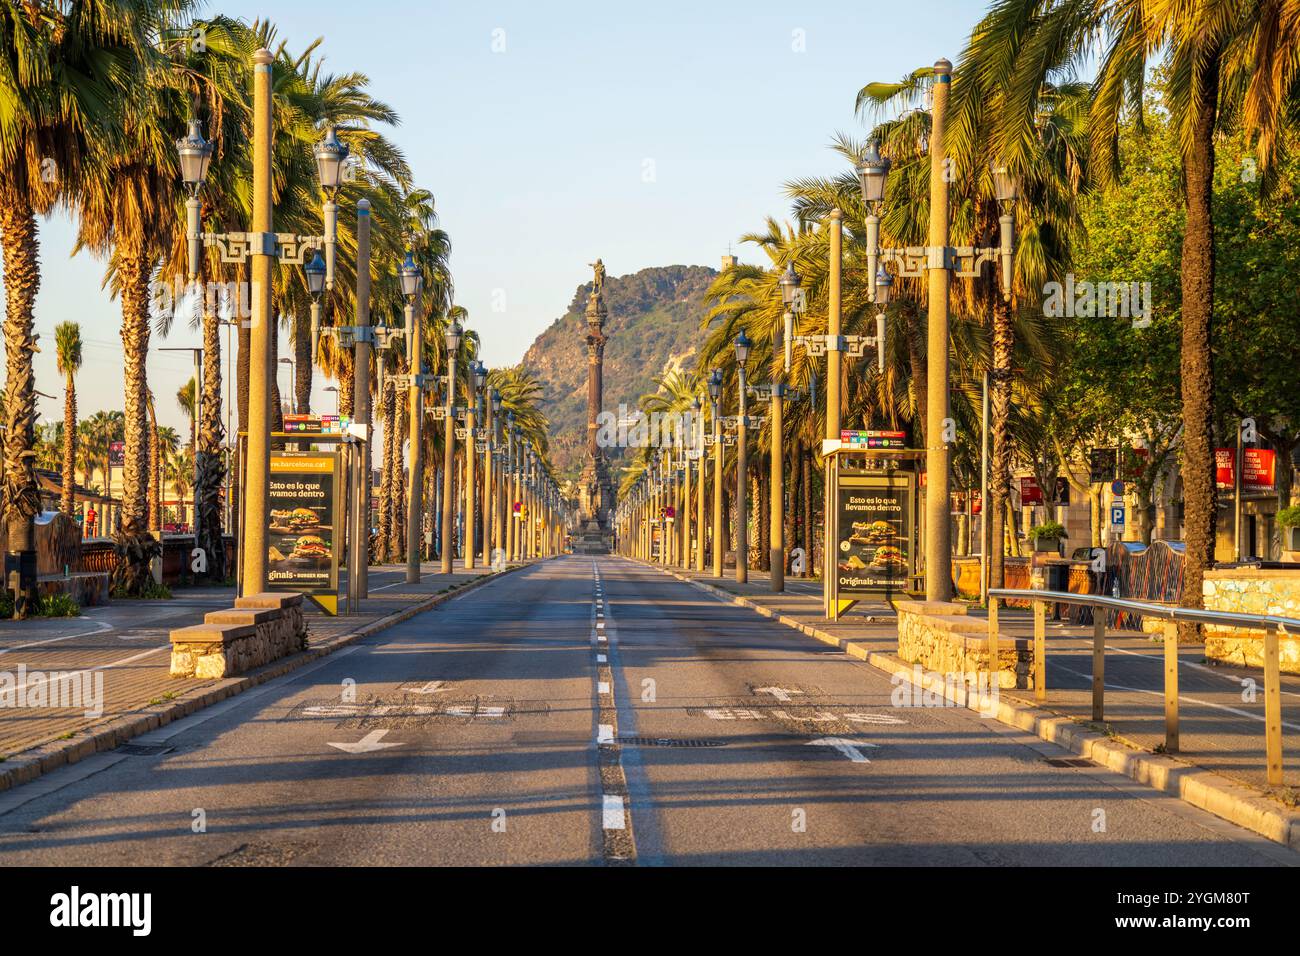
(144, 750)
(667, 742)
(1069, 762)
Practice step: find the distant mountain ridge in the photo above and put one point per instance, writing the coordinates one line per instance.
(654, 324)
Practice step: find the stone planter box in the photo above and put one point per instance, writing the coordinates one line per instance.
(1291, 540)
(941, 638)
(1047, 545)
(261, 628)
(1252, 591)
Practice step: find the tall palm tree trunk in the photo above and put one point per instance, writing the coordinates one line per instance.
(68, 498)
(397, 529)
(277, 403)
(1196, 364)
(155, 471)
(209, 471)
(20, 500)
(999, 425)
(386, 474)
(302, 362)
(345, 383)
(806, 492)
(134, 272)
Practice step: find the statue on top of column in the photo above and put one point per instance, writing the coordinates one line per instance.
(598, 283)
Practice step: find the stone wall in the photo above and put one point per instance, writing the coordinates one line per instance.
(941, 638)
(260, 628)
(1252, 591)
(87, 588)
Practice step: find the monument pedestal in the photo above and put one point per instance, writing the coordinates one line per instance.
(596, 497)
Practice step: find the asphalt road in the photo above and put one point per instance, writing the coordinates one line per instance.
(597, 712)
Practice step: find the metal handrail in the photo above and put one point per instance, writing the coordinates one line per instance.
(1272, 626)
(1261, 622)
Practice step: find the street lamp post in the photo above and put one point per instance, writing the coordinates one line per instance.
(507, 485)
(513, 483)
(477, 375)
(491, 405)
(936, 262)
(715, 397)
(411, 282)
(452, 340)
(776, 394)
(742, 433)
(262, 245)
(702, 458)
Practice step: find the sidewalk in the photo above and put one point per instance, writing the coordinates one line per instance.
(1221, 727)
(128, 641)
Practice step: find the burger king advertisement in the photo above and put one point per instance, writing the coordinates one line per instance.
(302, 534)
(874, 548)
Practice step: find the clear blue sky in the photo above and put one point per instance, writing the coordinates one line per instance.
(538, 154)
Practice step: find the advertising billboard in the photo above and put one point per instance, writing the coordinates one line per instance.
(874, 534)
(304, 533)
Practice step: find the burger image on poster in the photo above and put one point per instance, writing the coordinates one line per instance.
(311, 547)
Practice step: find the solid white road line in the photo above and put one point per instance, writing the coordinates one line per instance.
(613, 817)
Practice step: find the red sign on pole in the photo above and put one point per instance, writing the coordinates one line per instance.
(1030, 493)
(1259, 469)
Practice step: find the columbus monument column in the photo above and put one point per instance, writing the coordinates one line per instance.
(596, 491)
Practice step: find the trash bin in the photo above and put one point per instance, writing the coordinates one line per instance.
(1056, 577)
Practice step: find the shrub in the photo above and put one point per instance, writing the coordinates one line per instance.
(59, 605)
(1289, 517)
(1048, 529)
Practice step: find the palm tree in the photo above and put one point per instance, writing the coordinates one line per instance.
(127, 204)
(180, 474)
(1224, 60)
(63, 74)
(217, 84)
(67, 352)
(186, 395)
(164, 449)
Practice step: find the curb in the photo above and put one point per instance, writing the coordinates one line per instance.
(1203, 789)
(34, 762)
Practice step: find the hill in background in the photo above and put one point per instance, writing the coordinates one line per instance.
(654, 325)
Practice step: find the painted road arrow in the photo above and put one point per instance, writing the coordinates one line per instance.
(370, 742)
(433, 687)
(780, 693)
(847, 747)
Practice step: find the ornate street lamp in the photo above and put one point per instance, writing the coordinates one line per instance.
(792, 297)
(1006, 187)
(315, 271)
(873, 170)
(260, 248)
(195, 154)
(330, 158)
